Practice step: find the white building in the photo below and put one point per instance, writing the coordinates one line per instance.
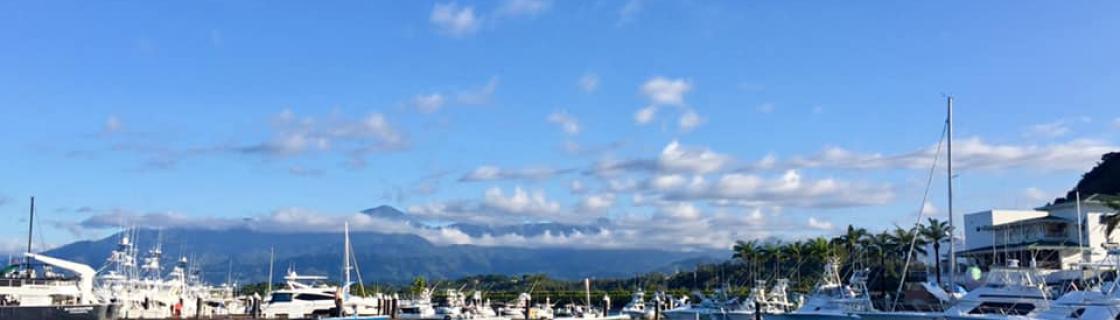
(1047, 235)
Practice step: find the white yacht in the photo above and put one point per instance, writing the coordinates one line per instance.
(310, 296)
(1007, 293)
(419, 307)
(29, 294)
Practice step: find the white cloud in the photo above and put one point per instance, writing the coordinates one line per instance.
(355, 137)
(645, 115)
(689, 120)
(492, 173)
(480, 95)
(524, 7)
(1048, 130)
(675, 158)
(454, 20)
(819, 224)
(968, 153)
(520, 202)
(428, 103)
(788, 190)
(567, 122)
(661, 91)
(665, 91)
(589, 82)
(597, 202)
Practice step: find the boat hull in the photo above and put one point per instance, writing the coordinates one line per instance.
(810, 316)
(70, 312)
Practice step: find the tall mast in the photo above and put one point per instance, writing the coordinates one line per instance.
(271, 258)
(30, 230)
(346, 255)
(949, 166)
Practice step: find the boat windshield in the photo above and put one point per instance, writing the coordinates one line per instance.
(1007, 277)
(280, 297)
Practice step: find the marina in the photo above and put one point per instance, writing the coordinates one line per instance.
(560, 160)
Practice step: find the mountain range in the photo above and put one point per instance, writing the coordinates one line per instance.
(243, 254)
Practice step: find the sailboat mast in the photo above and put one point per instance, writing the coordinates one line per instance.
(30, 230)
(271, 259)
(949, 167)
(346, 254)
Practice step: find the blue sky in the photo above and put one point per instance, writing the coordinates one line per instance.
(769, 118)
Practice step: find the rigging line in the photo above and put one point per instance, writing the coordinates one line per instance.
(918, 222)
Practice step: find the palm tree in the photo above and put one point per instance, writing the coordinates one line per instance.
(772, 251)
(851, 240)
(796, 251)
(1112, 220)
(881, 243)
(935, 232)
(747, 251)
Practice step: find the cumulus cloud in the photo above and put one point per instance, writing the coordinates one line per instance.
(788, 190)
(676, 158)
(665, 91)
(597, 202)
(568, 123)
(819, 224)
(589, 82)
(520, 202)
(454, 20)
(661, 92)
(492, 173)
(524, 7)
(428, 103)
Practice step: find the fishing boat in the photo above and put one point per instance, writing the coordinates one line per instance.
(718, 306)
(831, 299)
(637, 308)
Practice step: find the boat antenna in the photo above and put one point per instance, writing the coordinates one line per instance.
(30, 231)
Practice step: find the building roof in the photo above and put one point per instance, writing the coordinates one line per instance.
(1046, 219)
(1034, 245)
